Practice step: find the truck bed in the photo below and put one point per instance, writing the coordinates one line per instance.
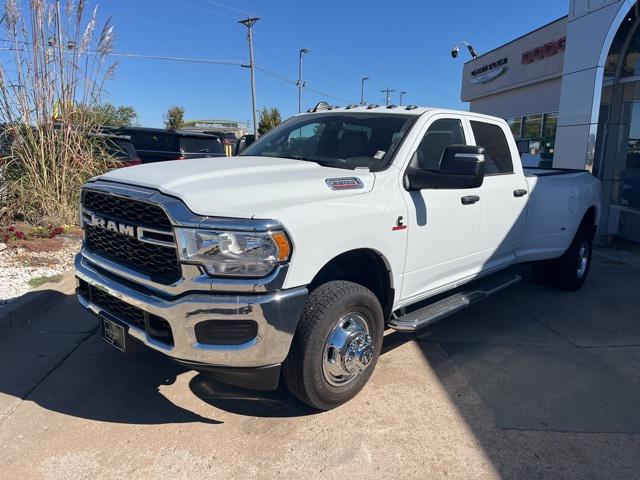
(548, 172)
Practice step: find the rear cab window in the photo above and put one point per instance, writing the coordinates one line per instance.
(201, 145)
(498, 160)
(159, 142)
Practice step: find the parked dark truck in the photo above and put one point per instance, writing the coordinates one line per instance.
(295, 256)
(160, 145)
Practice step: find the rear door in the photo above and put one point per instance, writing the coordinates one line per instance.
(443, 232)
(504, 193)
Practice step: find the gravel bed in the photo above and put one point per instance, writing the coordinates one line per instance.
(19, 266)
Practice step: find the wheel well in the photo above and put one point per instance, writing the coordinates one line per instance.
(365, 267)
(589, 220)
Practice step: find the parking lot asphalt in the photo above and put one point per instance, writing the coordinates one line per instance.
(532, 383)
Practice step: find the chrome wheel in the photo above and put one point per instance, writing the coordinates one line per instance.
(348, 350)
(583, 260)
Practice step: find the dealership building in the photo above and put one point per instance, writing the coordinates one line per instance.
(228, 126)
(570, 91)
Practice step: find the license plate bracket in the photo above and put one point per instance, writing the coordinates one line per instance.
(114, 333)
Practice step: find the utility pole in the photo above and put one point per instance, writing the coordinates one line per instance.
(387, 92)
(402, 94)
(300, 83)
(249, 22)
(364, 79)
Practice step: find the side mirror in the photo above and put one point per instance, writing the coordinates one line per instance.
(461, 166)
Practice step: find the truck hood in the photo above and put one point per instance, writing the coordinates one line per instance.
(241, 187)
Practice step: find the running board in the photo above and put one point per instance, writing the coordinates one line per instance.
(430, 314)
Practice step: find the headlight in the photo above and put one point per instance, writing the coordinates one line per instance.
(233, 254)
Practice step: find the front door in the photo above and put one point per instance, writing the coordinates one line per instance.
(443, 244)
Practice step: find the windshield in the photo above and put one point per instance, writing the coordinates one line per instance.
(343, 140)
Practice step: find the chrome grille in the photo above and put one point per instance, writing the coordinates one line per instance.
(159, 262)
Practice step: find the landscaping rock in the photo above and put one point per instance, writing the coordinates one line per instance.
(22, 270)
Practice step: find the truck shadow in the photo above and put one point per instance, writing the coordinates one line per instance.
(534, 372)
(57, 362)
(276, 403)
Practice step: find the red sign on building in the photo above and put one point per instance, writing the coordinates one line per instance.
(547, 50)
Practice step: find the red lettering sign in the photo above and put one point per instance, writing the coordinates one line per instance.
(547, 50)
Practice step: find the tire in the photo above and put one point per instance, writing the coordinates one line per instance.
(316, 371)
(570, 271)
(572, 268)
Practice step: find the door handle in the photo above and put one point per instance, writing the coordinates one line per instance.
(470, 199)
(519, 193)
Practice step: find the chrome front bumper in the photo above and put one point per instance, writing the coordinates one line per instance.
(276, 314)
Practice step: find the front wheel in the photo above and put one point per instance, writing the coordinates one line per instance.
(336, 345)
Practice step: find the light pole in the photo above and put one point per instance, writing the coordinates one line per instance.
(364, 79)
(249, 22)
(300, 83)
(402, 94)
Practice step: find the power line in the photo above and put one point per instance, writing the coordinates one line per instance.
(175, 59)
(228, 7)
(294, 82)
(141, 56)
(209, 61)
(174, 27)
(205, 10)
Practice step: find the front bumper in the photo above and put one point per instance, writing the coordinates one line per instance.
(276, 315)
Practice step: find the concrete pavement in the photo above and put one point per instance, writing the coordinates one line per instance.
(533, 383)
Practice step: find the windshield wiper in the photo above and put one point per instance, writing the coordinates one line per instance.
(322, 163)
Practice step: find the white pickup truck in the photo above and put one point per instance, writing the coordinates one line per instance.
(291, 259)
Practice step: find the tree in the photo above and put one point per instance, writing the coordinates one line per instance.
(110, 115)
(174, 118)
(269, 118)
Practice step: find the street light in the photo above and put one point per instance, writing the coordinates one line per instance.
(300, 83)
(402, 94)
(364, 79)
(249, 23)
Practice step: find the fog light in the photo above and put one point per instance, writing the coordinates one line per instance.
(225, 332)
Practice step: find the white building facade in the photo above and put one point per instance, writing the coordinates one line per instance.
(571, 93)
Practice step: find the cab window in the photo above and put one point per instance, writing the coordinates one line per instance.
(441, 134)
(497, 153)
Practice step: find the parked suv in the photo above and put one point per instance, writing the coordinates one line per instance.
(158, 145)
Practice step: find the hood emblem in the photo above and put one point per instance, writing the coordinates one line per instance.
(344, 183)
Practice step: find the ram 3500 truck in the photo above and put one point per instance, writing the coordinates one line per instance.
(291, 259)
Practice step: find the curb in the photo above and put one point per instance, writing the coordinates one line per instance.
(21, 310)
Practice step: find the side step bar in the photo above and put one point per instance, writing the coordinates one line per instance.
(430, 314)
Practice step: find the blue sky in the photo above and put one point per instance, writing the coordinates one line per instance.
(402, 44)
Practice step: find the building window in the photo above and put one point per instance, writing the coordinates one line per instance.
(535, 136)
(550, 125)
(532, 127)
(515, 124)
(630, 189)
